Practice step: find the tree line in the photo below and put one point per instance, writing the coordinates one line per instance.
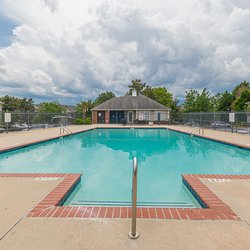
(203, 101)
(195, 101)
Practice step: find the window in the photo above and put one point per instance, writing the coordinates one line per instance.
(143, 115)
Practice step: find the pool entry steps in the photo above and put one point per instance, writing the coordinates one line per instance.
(128, 203)
(52, 205)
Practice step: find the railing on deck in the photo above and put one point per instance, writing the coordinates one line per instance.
(133, 234)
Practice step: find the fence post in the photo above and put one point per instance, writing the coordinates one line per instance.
(28, 120)
(214, 120)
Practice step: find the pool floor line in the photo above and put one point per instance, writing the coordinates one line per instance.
(51, 206)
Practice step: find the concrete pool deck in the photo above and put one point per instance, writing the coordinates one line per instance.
(235, 193)
(20, 195)
(19, 138)
(73, 233)
(242, 140)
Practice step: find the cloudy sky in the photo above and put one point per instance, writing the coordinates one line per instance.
(72, 50)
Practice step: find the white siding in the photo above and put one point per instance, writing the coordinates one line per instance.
(152, 115)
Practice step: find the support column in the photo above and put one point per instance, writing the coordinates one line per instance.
(94, 117)
(1, 110)
(107, 117)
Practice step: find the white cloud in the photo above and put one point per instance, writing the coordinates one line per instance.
(70, 50)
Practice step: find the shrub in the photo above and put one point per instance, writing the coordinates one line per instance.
(87, 121)
(79, 121)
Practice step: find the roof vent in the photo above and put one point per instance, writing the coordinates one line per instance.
(134, 93)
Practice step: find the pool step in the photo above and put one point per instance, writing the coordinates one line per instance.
(127, 203)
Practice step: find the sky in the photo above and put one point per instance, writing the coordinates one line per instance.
(70, 51)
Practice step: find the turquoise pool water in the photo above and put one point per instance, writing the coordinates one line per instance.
(104, 156)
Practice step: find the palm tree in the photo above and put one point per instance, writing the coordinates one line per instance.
(86, 107)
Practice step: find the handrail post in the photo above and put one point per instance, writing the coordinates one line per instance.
(133, 234)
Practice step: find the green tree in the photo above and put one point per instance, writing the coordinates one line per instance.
(225, 101)
(215, 102)
(84, 108)
(148, 91)
(175, 107)
(238, 90)
(190, 100)
(159, 94)
(12, 103)
(198, 102)
(51, 107)
(103, 97)
(137, 85)
(162, 96)
(240, 103)
(203, 101)
(26, 104)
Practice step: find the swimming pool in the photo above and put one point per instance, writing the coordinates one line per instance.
(104, 156)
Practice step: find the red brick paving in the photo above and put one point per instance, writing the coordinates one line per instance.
(51, 205)
(159, 212)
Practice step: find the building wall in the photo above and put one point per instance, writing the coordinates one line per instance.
(94, 117)
(107, 117)
(147, 116)
(1, 110)
(152, 115)
(126, 115)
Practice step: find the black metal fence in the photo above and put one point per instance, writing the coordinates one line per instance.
(227, 121)
(28, 120)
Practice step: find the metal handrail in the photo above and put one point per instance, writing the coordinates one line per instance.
(194, 130)
(68, 130)
(197, 129)
(65, 129)
(133, 234)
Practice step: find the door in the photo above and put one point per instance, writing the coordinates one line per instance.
(101, 117)
(130, 117)
(159, 118)
(116, 117)
(120, 117)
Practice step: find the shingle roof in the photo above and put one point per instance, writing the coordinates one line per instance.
(129, 102)
(70, 108)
